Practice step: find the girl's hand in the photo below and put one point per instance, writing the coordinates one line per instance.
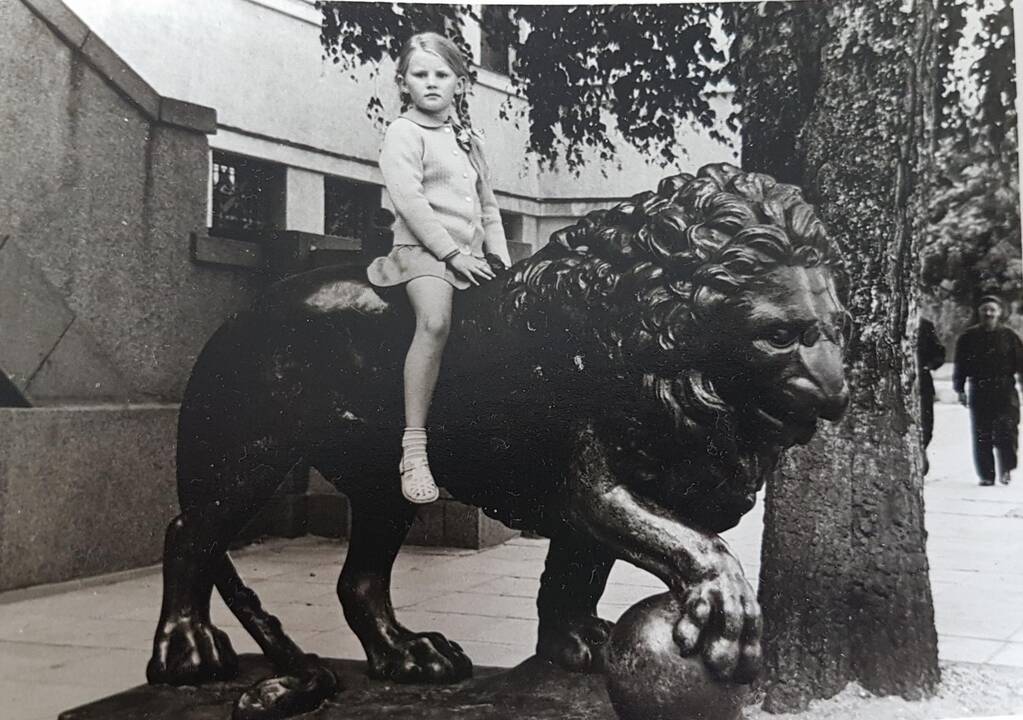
(472, 268)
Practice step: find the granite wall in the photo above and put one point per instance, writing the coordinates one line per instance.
(83, 490)
(102, 310)
(102, 182)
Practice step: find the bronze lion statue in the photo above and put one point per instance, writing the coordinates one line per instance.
(624, 392)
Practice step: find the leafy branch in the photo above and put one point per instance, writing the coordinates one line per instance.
(643, 68)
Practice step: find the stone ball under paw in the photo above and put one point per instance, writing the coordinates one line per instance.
(649, 679)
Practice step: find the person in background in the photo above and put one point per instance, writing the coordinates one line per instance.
(930, 356)
(989, 356)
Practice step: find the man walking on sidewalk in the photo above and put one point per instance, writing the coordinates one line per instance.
(990, 356)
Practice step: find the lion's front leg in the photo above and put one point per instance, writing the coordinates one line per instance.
(721, 616)
(571, 633)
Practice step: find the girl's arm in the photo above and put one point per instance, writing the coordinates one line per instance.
(401, 162)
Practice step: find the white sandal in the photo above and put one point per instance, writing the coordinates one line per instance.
(417, 483)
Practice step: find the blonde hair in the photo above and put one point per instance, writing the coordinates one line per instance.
(447, 51)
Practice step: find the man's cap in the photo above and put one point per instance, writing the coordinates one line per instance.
(990, 299)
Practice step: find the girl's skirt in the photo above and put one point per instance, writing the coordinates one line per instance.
(407, 262)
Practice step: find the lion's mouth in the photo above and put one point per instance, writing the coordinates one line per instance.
(695, 396)
(791, 429)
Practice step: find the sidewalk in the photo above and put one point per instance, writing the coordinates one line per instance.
(71, 644)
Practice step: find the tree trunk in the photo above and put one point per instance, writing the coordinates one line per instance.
(837, 99)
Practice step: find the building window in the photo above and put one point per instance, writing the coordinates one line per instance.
(248, 197)
(495, 51)
(349, 207)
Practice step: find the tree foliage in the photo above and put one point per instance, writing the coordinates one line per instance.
(973, 238)
(583, 71)
(642, 70)
(973, 243)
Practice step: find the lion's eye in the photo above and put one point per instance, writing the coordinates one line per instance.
(783, 337)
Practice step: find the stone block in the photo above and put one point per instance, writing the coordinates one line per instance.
(188, 115)
(449, 523)
(466, 526)
(110, 65)
(77, 370)
(493, 532)
(461, 525)
(428, 528)
(224, 251)
(329, 512)
(336, 250)
(33, 316)
(84, 491)
(319, 484)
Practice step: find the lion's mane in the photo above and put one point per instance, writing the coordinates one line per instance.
(639, 282)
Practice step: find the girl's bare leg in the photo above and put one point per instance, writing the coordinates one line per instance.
(431, 301)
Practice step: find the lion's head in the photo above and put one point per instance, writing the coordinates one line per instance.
(715, 296)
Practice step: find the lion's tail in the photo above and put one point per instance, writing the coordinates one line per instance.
(264, 628)
(303, 685)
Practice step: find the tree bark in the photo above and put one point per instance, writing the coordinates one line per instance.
(837, 98)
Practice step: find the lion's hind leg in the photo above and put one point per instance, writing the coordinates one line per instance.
(187, 648)
(381, 519)
(571, 633)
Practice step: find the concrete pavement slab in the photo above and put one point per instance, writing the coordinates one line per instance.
(1008, 654)
(966, 649)
(468, 603)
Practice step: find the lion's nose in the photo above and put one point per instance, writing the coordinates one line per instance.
(834, 405)
(824, 382)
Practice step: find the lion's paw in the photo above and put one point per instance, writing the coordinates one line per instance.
(190, 652)
(420, 658)
(721, 620)
(578, 644)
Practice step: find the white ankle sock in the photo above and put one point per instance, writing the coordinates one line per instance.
(413, 444)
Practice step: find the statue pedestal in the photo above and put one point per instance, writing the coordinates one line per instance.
(534, 690)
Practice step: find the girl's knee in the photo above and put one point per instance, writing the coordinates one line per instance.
(435, 326)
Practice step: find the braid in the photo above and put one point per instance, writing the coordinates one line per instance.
(462, 110)
(475, 150)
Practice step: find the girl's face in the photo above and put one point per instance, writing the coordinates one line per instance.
(431, 83)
